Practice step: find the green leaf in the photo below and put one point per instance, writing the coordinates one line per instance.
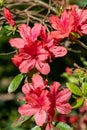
(15, 83)
(73, 79)
(84, 89)
(63, 126)
(20, 120)
(36, 128)
(7, 27)
(74, 89)
(78, 103)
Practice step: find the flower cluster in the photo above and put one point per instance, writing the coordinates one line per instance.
(35, 49)
(43, 100)
(71, 21)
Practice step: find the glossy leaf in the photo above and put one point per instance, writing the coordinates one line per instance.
(84, 89)
(78, 103)
(63, 126)
(74, 89)
(15, 83)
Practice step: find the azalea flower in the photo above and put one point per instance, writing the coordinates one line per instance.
(34, 48)
(51, 45)
(37, 104)
(63, 25)
(8, 17)
(42, 100)
(31, 53)
(59, 99)
(80, 19)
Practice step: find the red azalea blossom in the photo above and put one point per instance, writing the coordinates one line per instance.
(73, 20)
(63, 26)
(41, 102)
(31, 51)
(37, 103)
(54, 50)
(8, 17)
(37, 106)
(34, 52)
(80, 19)
(58, 99)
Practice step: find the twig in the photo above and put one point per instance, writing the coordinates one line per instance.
(9, 53)
(46, 5)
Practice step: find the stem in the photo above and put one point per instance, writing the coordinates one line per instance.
(81, 43)
(78, 42)
(46, 5)
(9, 53)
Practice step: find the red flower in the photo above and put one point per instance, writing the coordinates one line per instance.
(8, 17)
(36, 104)
(80, 20)
(54, 50)
(68, 70)
(42, 101)
(63, 26)
(58, 99)
(31, 50)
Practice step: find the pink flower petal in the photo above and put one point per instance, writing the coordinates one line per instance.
(43, 67)
(49, 126)
(24, 31)
(43, 33)
(43, 54)
(54, 87)
(40, 117)
(37, 81)
(16, 60)
(63, 95)
(35, 31)
(63, 108)
(59, 35)
(55, 22)
(84, 29)
(17, 42)
(82, 13)
(26, 66)
(58, 51)
(27, 110)
(27, 88)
